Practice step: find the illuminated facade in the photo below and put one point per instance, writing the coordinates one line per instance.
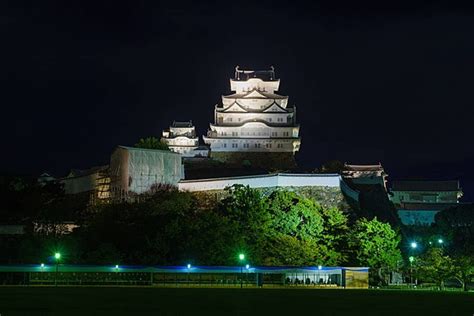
(254, 119)
(181, 138)
(418, 202)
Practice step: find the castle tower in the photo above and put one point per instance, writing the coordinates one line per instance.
(181, 138)
(255, 123)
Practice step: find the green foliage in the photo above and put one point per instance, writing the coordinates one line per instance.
(375, 244)
(332, 166)
(289, 250)
(434, 266)
(166, 227)
(295, 216)
(463, 268)
(151, 143)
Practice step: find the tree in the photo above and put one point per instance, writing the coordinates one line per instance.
(332, 166)
(333, 243)
(375, 244)
(289, 250)
(246, 208)
(464, 268)
(151, 143)
(434, 266)
(295, 216)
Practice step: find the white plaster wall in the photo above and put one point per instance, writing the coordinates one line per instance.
(244, 86)
(263, 181)
(272, 118)
(414, 217)
(286, 145)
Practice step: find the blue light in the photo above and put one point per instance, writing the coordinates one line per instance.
(247, 266)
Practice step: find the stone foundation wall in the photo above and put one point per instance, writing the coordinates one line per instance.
(325, 196)
(267, 160)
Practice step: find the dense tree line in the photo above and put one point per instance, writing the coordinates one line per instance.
(167, 227)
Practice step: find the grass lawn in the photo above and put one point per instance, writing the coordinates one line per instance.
(205, 301)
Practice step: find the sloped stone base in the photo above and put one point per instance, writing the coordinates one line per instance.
(275, 161)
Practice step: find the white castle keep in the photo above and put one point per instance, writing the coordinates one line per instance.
(254, 118)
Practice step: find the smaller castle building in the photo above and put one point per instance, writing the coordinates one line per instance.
(181, 138)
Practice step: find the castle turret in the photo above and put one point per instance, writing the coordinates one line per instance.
(254, 123)
(181, 138)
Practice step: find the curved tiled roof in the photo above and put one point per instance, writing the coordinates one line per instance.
(420, 185)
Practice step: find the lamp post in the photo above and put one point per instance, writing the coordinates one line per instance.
(411, 259)
(241, 258)
(413, 246)
(57, 257)
(189, 268)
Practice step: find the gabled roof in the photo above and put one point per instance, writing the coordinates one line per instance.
(349, 167)
(421, 185)
(235, 107)
(85, 172)
(182, 124)
(255, 94)
(274, 107)
(426, 206)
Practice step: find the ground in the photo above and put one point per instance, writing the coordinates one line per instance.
(202, 301)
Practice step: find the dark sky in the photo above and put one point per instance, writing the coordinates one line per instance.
(371, 83)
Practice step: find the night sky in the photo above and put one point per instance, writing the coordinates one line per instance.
(371, 83)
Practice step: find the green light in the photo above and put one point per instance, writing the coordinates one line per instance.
(241, 256)
(440, 241)
(411, 258)
(57, 256)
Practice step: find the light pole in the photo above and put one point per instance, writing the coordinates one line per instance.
(189, 268)
(413, 246)
(57, 257)
(241, 258)
(411, 259)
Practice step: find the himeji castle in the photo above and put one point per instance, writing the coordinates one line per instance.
(181, 138)
(254, 123)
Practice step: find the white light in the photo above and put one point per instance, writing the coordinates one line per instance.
(247, 266)
(42, 265)
(116, 266)
(189, 266)
(320, 267)
(414, 245)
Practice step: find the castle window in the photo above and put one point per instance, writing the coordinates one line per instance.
(235, 145)
(269, 119)
(224, 145)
